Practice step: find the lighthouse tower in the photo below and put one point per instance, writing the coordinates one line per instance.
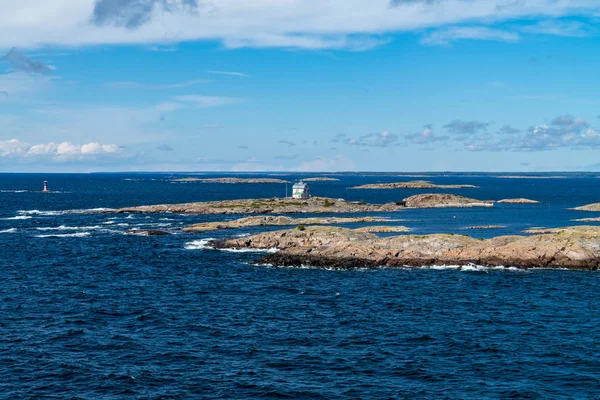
(45, 187)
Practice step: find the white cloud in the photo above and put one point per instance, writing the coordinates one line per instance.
(447, 36)
(348, 24)
(61, 151)
(207, 101)
(383, 139)
(232, 73)
(138, 85)
(560, 28)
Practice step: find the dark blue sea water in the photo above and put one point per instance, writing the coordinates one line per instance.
(87, 312)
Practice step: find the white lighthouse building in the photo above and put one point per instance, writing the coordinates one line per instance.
(301, 190)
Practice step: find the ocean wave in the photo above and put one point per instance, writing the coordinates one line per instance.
(71, 228)
(203, 244)
(10, 230)
(18, 217)
(64, 235)
(468, 267)
(270, 251)
(54, 213)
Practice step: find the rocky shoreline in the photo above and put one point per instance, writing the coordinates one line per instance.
(340, 248)
(279, 221)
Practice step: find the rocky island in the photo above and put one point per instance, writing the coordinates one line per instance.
(411, 185)
(316, 205)
(230, 180)
(320, 179)
(441, 200)
(341, 248)
(589, 207)
(518, 201)
(273, 205)
(279, 221)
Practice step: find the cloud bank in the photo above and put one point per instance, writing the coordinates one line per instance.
(309, 24)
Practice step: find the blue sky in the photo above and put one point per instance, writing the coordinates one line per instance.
(284, 85)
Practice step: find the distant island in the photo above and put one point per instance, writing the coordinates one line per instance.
(230, 180)
(411, 185)
(518, 201)
(320, 179)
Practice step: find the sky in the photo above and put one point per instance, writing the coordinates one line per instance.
(299, 85)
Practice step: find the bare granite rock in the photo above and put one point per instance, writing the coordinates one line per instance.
(440, 200)
(277, 220)
(411, 185)
(518, 201)
(383, 229)
(341, 248)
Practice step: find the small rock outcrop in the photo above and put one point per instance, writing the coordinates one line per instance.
(334, 247)
(518, 201)
(440, 200)
(411, 185)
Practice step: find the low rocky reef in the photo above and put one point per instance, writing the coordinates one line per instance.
(518, 201)
(479, 227)
(320, 179)
(316, 205)
(590, 207)
(230, 180)
(597, 219)
(411, 185)
(340, 248)
(272, 220)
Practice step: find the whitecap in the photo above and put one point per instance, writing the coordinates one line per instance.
(18, 217)
(198, 244)
(10, 230)
(53, 213)
(270, 251)
(70, 228)
(64, 235)
(14, 191)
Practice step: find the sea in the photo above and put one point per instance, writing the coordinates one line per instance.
(88, 311)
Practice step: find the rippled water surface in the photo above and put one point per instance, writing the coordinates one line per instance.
(90, 312)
